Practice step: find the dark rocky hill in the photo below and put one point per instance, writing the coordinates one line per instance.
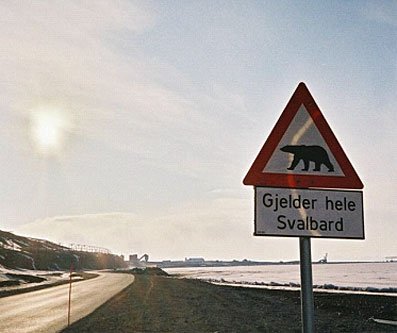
(30, 253)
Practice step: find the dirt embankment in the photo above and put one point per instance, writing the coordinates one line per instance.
(161, 304)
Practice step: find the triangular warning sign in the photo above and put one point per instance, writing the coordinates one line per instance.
(302, 151)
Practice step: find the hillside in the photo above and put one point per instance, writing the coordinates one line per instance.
(18, 252)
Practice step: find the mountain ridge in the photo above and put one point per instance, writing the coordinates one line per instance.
(20, 252)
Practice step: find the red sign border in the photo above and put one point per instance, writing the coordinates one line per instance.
(257, 177)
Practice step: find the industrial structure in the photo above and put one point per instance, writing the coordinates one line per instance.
(134, 261)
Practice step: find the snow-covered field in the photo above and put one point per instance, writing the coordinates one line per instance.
(381, 277)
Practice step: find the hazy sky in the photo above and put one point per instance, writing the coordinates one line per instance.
(131, 124)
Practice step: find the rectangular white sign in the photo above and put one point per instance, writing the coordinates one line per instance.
(313, 213)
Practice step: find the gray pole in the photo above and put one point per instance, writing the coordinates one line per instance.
(307, 300)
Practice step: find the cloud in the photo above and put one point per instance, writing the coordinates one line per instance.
(69, 55)
(82, 58)
(215, 229)
(210, 229)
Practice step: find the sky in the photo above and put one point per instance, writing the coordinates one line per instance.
(130, 125)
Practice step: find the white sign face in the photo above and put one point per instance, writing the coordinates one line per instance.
(303, 150)
(311, 213)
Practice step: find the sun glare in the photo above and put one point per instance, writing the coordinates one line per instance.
(48, 130)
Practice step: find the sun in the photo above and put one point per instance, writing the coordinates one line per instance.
(48, 129)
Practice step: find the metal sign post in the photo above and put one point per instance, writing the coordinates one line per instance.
(70, 292)
(307, 299)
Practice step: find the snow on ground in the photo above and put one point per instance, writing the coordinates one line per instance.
(372, 277)
(9, 244)
(11, 279)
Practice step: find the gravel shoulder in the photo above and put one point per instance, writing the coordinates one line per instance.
(166, 304)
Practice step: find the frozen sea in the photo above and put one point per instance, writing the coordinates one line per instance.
(380, 276)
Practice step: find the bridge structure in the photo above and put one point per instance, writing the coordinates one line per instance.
(88, 248)
(391, 258)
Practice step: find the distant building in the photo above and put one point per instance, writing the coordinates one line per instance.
(133, 258)
(391, 259)
(194, 261)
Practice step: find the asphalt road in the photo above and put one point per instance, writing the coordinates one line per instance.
(45, 311)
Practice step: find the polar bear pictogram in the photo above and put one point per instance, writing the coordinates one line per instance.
(307, 154)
